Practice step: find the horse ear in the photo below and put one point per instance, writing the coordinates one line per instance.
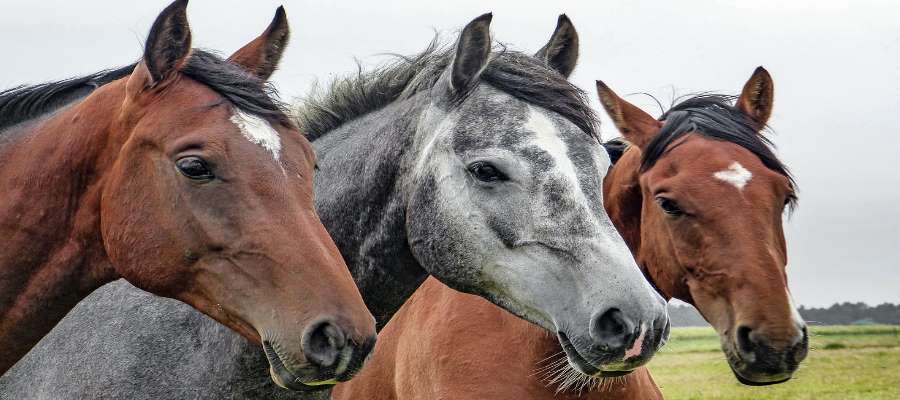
(261, 56)
(472, 52)
(757, 97)
(169, 42)
(636, 126)
(561, 52)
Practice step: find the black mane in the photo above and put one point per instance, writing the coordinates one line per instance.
(23, 103)
(715, 117)
(517, 74)
(244, 90)
(615, 148)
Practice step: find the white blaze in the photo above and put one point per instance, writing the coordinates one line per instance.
(547, 138)
(258, 131)
(736, 175)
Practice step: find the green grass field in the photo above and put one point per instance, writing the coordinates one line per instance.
(844, 362)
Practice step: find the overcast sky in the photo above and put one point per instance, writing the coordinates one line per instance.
(836, 66)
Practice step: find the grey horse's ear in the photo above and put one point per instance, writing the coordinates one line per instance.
(472, 52)
(561, 52)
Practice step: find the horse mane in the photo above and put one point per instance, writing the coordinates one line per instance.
(247, 92)
(716, 117)
(615, 147)
(23, 103)
(517, 74)
(244, 90)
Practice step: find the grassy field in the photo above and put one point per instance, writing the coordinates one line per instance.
(845, 362)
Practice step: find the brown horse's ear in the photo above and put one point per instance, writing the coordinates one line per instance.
(261, 56)
(636, 126)
(757, 97)
(169, 42)
(472, 52)
(561, 52)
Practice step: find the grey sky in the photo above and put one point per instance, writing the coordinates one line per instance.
(836, 66)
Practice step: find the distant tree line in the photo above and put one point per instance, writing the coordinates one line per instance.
(838, 314)
(853, 313)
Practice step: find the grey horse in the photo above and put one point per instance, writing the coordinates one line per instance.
(476, 165)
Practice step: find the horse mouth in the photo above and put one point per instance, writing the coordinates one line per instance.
(775, 380)
(581, 364)
(737, 366)
(283, 377)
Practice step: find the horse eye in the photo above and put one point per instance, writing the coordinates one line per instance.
(790, 199)
(194, 168)
(486, 172)
(669, 206)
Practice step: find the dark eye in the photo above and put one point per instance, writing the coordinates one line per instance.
(791, 198)
(669, 206)
(194, 168)
(486, 172)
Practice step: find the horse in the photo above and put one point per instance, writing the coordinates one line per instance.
(184, 176)
(480, 167)
(697, 190)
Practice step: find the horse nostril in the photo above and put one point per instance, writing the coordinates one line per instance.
(666, 330)
(613, 329)
(322, 344)
(800, 349)
(744, 342)
(801, 337)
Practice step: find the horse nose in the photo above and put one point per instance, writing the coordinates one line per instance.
(746, 343)
(323, 343)
(750, 342)
(613, 330)
(664, 327)
(800, 347)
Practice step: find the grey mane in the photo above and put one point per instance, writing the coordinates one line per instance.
(517, 74)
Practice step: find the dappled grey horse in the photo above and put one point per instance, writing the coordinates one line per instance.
(479, 167)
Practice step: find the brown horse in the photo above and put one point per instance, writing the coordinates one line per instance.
(182, 175)
(699, 198)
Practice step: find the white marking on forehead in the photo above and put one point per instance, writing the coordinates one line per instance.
(736, 175)
(258, 131)
(547, 138)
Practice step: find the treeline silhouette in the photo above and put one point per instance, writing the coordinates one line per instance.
(838, 314)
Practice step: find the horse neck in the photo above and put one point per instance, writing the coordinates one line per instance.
(52, 253)
(361, 199)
